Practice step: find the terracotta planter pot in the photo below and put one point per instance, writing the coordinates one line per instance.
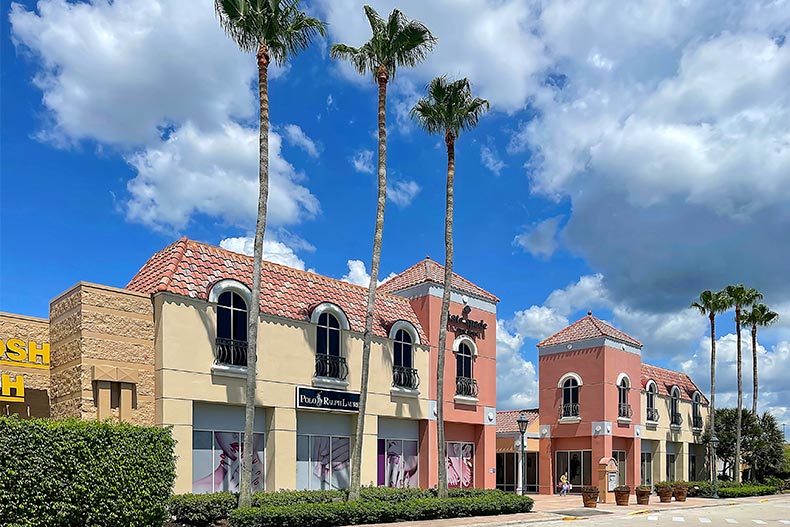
(590, 499)
(680, 494)
(664, 495)
(642, 497)
(621, 497)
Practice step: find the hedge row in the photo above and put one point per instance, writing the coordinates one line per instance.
(366, 512)
(200, 510)
(92, 474)
(746, 490)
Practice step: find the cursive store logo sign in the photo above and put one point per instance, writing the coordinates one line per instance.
(463, 325)
(326, 400)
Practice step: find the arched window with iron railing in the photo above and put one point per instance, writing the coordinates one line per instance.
(404, 374)
(696, 413)
(623, 408)
(329, 358)
(674, 407)
(231, 329)
(570, 398)
(652, 394)
(465, 383)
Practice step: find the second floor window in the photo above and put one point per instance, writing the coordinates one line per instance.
(328, 335)
(231, 317)
(696, 411)
(463, 361)
(623, 408)
(403, 349)
(570, 398)
(674, 407)
(652, 412)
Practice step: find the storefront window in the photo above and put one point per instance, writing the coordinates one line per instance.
(670, 467)
(647, 468)
(397, 463)
(460, 465)
(578, 465)
(322, 462)
(619, 455)
(216, 461)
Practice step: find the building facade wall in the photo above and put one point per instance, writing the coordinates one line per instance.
(24, 366)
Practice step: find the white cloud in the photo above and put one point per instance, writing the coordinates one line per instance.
(541, 241)
(402, 193)
(273, 251)
(193, 172)
(362, 161)
(491, 159)
(296, 136)
(517, 380)
(358, 274)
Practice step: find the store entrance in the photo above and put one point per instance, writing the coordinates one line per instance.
(507, 471)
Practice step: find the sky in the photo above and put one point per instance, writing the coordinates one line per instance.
(634, 155)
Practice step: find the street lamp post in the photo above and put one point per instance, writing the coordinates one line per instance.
(523, 422)
(714, 442)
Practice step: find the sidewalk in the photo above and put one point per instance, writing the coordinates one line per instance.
(552, 507)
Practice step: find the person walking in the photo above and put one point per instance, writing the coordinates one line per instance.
(564, 484)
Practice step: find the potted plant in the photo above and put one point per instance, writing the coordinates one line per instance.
(680, 490)
(664, 491)
(590, 496)
(643, 495)
(622, 494)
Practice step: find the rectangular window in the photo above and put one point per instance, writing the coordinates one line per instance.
(322, 462)
(692, 467)
(216, 461)
(460, 465)
(647, 468)
(619, 455)
(578, 465)
(670, 467)
(397, 463)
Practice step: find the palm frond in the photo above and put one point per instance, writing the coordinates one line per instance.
(449, 107)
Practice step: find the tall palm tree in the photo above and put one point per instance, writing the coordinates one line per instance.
(711, 304)
(759, 315)
(394, 43)
(739, 297)
(448, 109)
(275, 30)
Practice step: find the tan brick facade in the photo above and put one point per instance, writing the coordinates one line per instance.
(24, 336)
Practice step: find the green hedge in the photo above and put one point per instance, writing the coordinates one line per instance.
(365, 512)
(746, 490)
(84, 473)
(201, 510)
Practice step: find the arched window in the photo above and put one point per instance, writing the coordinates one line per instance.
(465, 384)
(570, 398)
(231, 329)
(652, 412)
(328, 335)
(674, 407)
(403, 349)
(329, 360)
(623, 408)
(696, 410)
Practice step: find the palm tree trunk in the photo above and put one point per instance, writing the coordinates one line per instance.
(245, 487)
(442, 348)
(712, 386)
(737, 475)
(754, 369)
(356, 462)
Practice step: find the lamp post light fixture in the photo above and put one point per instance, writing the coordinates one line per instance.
(714, 443)
(523, 422)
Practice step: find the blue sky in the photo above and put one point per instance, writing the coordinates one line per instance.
(617, 171)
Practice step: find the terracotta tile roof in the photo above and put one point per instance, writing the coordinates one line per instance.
(587, 328)
(665, 379)
(506, 420)
(430, 271)
(191, 268)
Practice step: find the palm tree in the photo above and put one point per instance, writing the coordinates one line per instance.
(275, 30)
(395, 42)
(448, 109)
(759, 315)
(739, 296)
(711, 304)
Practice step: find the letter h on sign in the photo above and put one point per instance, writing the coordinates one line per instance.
(6, 385)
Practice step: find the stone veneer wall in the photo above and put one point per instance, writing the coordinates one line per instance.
(27, 329)
(100, 333)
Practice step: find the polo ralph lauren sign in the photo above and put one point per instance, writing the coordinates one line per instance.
(317, 399)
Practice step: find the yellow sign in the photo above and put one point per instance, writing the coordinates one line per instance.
(17, 352)
(17, 384)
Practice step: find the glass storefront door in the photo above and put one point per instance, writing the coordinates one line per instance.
(578, 465)
(506, 471)
(647, 468)
(619, 455)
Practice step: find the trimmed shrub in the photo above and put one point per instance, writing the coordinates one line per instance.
(471, 493)
(393, 494)
(282, 498)
(201, 510)
(700, 489)
(746, 490)
(62, 473)
(365, 512)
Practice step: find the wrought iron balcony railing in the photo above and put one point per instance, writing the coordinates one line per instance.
(697, 422)
(231, 352)
(569, 410)
(652, 415)
(331, 366)
(676, 419)
(624, 410)
(405, 377)
(466, 386)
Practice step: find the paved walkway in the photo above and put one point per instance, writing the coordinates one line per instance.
(549, 508)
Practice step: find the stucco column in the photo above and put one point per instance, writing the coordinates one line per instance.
(485, 454)
(546, 467)
(682, 461)
(633, 475)
(660, 462)
(429, 472)
(178, 414)
(369, 473)
(280, 448)
(601, 448)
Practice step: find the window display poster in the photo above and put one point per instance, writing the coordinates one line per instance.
(460, 465)
(397, 463)
(216, 461)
